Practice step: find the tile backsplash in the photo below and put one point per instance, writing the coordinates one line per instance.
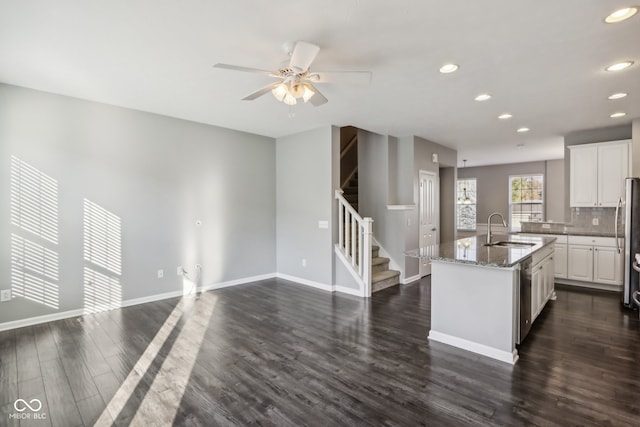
(582, 221)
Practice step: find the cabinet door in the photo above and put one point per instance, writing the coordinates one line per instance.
(580, 262)
(583, 177)
(537, 277)
(607, 265)
(549, 282)
(560, 261)
(613, 168)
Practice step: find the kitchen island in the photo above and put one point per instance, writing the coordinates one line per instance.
(475, 291)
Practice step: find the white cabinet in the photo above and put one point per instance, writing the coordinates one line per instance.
(542, 280)
(607, 265)
(594, 259)
(560, 255)
(560, 261)
(580, 263)
(597, 173)
(583, 176)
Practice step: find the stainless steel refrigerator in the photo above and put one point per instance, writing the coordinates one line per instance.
(631, 211)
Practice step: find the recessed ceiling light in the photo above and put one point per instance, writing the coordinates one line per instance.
(483, 97)
(617, 95)
(523, 129)
(619, 66)
(620, 114)
(448, 68)
(620, 15)
(505, 116)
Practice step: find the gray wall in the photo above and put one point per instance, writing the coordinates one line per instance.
(554, 188)
(304, 178)
(447, 209)
(493, 186)
(158, 175)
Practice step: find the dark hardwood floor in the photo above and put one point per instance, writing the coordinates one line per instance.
(277, 353)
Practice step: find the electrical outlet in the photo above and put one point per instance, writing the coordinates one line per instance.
(595, 221)
(5, 295)
(546, 226)
(160, 274)
(304, 262)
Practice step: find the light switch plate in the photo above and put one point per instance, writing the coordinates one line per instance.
(5, 295)
(595, 221)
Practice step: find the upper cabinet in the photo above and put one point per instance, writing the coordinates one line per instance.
(597, 173)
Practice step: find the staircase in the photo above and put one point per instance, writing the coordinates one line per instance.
(381, 276)
(355, 250)
(350, 190)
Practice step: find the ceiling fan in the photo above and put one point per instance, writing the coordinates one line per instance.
(296, 80)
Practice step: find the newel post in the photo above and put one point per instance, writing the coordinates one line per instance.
(367, 226)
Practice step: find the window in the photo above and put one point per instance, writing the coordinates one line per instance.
(526, 198)
(466, 204)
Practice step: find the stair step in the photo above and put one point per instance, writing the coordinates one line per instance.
(384, 279)
(379, 264)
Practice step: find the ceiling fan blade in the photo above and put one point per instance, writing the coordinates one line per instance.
(259, 93)
(317, 99)
(245, 69)
(303, 55)
(349, 77)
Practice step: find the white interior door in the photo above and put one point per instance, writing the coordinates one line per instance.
(428, 213)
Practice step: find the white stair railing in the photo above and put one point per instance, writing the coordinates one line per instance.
(354, 242)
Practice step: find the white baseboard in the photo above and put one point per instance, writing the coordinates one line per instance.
(305, 282)
(242, 281)
(127, 303)
(494, 353)
(408, 280)
(589, 285)
(349, 291)
(15, 324)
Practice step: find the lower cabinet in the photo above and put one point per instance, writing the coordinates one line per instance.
(589, 259)
(560, 260)
(580, 263)
(607, 265)
(598, 262)
(542, 283)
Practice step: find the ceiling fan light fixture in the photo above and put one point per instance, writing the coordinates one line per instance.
(296, 90)
(308, 93)
(289, 99)
(280, 91)
(621, 15)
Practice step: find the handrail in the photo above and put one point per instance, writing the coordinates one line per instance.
(347, 147)
(354, 242)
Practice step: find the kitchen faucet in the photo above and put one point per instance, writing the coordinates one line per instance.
(489, 225)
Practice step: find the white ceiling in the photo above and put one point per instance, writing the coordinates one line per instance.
(541, 60)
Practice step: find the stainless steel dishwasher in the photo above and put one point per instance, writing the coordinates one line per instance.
(525, 299)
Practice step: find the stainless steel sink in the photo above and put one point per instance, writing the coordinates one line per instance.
(509, 244)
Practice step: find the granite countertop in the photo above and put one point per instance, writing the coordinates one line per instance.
(470, 250)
